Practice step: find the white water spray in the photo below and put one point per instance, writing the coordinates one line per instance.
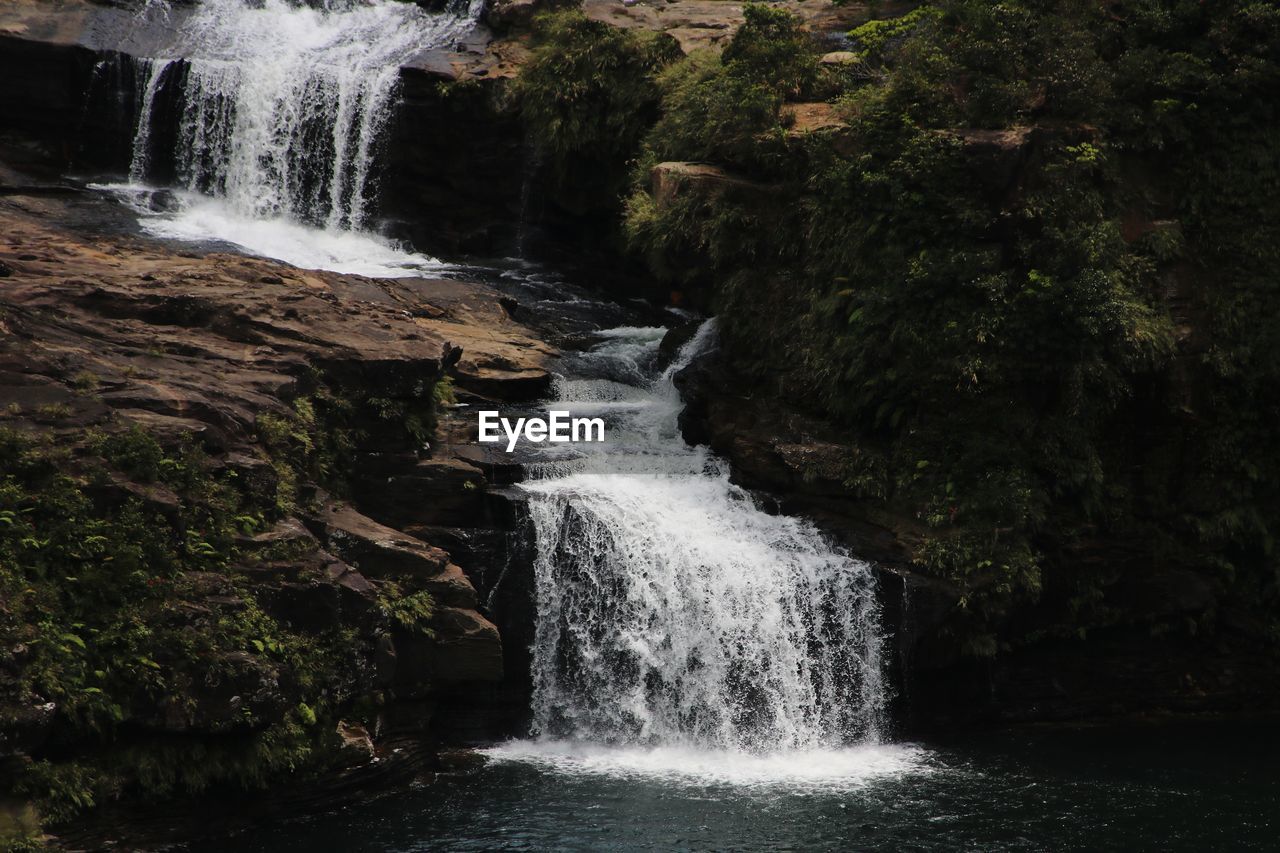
(282, 105)
(677, 618)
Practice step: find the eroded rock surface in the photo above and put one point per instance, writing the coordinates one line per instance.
(103, 334)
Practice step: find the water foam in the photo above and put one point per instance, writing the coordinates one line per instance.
(822, 771)
(681, 629)
(280, 108)
(192, 217)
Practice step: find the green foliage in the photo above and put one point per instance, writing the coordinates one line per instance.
(160, 767)
(20, 830)
(712, 114)
(877, 39)
(85, 380)
(412, 611)
(105, 610)
(316, 439)
(770, 48)
(725, 108)
(442, 393)
(587, 95)
(998, 346)
(124, 601)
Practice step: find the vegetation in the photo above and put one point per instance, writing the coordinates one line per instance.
(587, 95)
(106, 614)
(130, 610)
(1030, 271)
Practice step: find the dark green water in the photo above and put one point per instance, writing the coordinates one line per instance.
(1161, 787)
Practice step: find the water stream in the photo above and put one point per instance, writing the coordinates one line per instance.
(681, 629)
(675, 618)
(280, 107)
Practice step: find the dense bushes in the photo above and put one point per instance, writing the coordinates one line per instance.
(587, 95)
(1026, 347)
(142, 648)
(1033, 272)
(107, 557)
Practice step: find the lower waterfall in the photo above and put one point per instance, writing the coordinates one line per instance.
(679, 625)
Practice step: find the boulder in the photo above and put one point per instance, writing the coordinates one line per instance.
(355, 746)
(465, 649)
(670, 180)
(384, 553)
(442, 491)
(838, 58)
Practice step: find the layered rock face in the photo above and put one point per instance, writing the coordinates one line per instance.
(319, 395)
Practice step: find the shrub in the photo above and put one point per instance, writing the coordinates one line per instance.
(587, 95)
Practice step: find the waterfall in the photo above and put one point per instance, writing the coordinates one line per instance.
(281, 106)
(672, 610)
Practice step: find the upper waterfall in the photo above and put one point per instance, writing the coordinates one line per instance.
(274, 114)
(673, 612)
(282, 103)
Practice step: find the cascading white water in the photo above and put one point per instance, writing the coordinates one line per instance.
(675, 614)
(282, 104)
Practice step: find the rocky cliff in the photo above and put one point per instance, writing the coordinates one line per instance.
(277, 442)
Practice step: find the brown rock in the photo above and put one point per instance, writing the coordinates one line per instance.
(839, 57)
(811, 117)
(670, 180)
(355, 747)
(382, 552)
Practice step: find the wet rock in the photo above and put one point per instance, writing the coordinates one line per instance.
(674, 340)
(312, 606)
(446, 492)
(355, 747)
(466, 649)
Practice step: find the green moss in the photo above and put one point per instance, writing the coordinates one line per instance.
(443, 393)
(85, 380)
(52, 411)
(20, 830)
